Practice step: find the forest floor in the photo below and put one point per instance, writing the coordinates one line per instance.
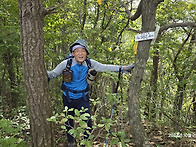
(158, 137)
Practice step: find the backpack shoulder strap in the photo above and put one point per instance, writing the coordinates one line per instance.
(88, 62)
(69, 62)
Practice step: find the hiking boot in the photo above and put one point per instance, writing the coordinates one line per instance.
(71, 145)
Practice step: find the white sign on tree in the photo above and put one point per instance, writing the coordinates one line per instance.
(144, 36)
(148, 35)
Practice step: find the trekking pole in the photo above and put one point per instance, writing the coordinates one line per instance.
(119, 73)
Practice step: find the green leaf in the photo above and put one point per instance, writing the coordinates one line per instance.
(100, 125)
(114, 141)
(72, 132)
(71, 109)
(88, 144)
(127, 140)
(83, 124)
(70, 116)
(114, 134)
(49, 119)
(64, 120)
(77, 113)
(122, 134)
(83, 117)
(123, 144)
(66, 109)
(93, 117)
(63, 127)
(107, 126)
(62, 115)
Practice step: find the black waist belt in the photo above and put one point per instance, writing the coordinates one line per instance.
(67, 90)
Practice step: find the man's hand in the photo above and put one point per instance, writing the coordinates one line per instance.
(129, 68)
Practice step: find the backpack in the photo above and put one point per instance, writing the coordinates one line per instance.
(67, 76)
(67, 73)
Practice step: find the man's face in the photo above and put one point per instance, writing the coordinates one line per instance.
(80, 55)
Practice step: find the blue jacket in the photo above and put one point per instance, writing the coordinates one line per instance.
(79, 74)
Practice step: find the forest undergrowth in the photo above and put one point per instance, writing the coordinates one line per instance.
(159, 136)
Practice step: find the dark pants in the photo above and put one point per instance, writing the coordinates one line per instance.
(76, 104)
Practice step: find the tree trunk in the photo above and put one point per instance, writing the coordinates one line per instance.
(153, 84)
(35, 78)
(152, 93)
(194, 108)
(178, 102)
(148, 24)
(154, 74)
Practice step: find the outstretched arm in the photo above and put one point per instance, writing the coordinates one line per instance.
(108, 67)
(57, 70)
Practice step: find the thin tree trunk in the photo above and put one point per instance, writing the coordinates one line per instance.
(178, 102)
(152, 93)
(84, 15)
(12, 97)
(35, 78)
(194, 108)
(154, 78)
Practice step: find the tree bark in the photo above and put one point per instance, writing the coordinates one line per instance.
(31, 14)
(148, 24)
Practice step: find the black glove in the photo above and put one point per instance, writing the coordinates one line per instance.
(129, 68)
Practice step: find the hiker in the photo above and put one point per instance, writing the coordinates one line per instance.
(75, 85)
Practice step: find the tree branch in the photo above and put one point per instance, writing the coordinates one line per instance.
(134, 30)
(120, 34)
(126, 8)
(84, 15)
(159, 1)
(174, 25)
(175, 59)
(97, 16)
(137, 13)
(50, 10)
(171, 118)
